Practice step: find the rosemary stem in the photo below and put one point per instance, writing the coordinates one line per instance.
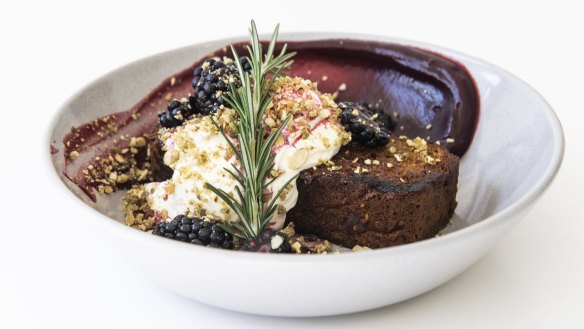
(249, 101)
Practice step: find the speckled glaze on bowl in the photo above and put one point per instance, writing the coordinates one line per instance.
(515, 154)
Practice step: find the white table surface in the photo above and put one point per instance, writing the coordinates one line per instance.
(55, 274)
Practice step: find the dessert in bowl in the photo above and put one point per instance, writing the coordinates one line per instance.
(493, 194)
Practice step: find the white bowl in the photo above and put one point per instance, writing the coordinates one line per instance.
(515, 154)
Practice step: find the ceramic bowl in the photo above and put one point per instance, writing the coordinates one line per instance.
(515, 154)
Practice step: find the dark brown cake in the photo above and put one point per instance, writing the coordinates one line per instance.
(160, 171)
(400, 193)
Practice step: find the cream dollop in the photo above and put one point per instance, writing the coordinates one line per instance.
(198, 153)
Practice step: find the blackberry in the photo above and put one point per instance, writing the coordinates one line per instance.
(195, 231)
(368, 127)
(177, 112)
(269, 240)
(212, 79)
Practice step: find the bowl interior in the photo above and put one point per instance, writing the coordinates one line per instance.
(516, 149)
(518, 144)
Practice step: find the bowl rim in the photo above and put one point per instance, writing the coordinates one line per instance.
(491, 221)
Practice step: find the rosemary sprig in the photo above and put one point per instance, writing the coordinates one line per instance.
(254, 151)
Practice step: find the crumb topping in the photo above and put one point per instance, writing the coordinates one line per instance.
(306, 244)
(401, 153)
(309, 108)
(128, 165)
(138, 212)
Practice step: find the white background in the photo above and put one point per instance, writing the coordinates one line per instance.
(55, 274)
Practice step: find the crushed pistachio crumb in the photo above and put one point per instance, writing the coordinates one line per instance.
(360, 248)
(400, 157)
(73, 155)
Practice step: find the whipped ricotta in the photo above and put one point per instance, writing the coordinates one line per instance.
(198, 154)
